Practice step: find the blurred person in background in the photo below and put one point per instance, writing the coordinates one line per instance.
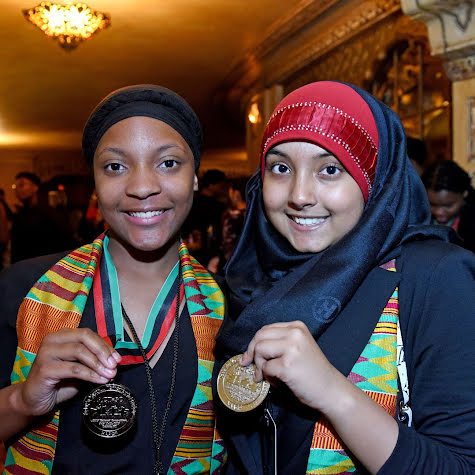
(417, 153)
(202, 229)
(36, 228)
(92, 223)
(5, 217)
(452, 199)
(232, 222)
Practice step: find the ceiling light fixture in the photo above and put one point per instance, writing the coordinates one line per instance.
(68, 24)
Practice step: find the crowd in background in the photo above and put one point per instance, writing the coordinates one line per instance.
(217, 217)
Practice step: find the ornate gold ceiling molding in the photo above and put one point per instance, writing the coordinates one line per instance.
(247, 71)
(303, 14)
(356, 21)
(451, 28)
(291, 49)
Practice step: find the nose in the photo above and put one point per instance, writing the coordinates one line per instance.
(142, 183)
(304, 191)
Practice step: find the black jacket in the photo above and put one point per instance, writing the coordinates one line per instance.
(436, 308)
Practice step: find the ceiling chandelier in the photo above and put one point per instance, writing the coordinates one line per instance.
(68, 24)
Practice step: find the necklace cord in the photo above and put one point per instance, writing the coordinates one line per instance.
(158, 436)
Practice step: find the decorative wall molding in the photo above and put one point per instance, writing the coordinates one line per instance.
(315, 30)
(247, 70)
(356, 61)
(450, 24)
(460, 69)
(355, 22)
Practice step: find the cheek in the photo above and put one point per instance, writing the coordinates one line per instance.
(180, 190)
(348, 201)
(457, 206)
(273, 196)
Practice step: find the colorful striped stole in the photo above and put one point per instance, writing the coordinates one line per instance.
(57, 300)
(200, 448)
(375, 373)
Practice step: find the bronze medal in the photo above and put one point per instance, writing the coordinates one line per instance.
(109, 411)
(236, 386)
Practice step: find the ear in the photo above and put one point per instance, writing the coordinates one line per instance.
(195, 183)
(465, 194)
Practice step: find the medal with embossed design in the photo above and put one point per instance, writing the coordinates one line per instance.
(110, 410)
(236, 386)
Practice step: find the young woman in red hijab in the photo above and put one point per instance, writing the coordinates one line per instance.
(337, 275)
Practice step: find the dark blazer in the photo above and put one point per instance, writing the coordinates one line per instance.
(436, 307)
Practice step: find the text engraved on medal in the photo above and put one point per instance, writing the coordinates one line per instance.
(110, 410)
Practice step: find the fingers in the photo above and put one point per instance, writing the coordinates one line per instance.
(64, 359)
(272, 342)
(62, 370)
(265, 351)
(85, 351)
(91, 340)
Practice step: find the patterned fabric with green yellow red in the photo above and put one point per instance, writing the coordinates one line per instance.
(57, 300)
(375, 373)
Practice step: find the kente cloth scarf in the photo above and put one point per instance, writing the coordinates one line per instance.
(57, 301)
(375, 373)
(269, 281)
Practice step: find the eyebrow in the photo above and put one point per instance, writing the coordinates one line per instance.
(280, 153)
(122, 153)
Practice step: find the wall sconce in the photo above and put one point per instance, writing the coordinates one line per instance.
(254, 116)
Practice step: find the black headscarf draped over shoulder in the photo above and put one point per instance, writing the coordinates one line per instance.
(270, 281)
(145, 100)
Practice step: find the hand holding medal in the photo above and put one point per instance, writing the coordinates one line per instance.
(63, 358)
(283, 352)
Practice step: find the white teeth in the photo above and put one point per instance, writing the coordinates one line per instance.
(308, 221)
(145, 214)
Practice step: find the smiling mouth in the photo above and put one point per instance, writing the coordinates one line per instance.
(145, 214)
(307, 221)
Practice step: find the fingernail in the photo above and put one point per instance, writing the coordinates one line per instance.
(102, 379)
(111, 361)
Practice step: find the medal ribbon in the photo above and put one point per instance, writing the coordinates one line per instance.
(109, 319)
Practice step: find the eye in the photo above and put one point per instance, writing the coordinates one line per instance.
(169, 163)
(331, 170)
(280, 169)
(114, 167)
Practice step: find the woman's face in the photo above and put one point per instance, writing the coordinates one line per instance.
(309, 196)
(445, 205)
(144, 175)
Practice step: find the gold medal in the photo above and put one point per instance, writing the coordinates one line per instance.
(236, 386)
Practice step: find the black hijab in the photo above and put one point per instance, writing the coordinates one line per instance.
(269, 281)
(145, 100)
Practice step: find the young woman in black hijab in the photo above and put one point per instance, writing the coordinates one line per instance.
(133, 306)
(336, 276)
